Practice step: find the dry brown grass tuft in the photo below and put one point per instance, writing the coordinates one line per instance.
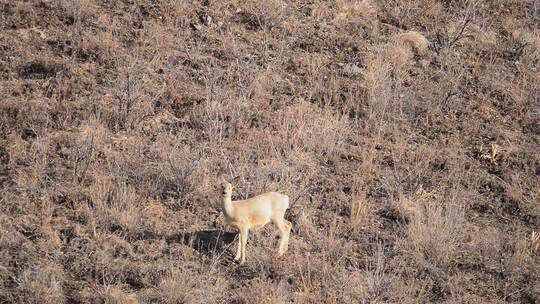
(317, 130)
(535, 242)
(260, 292)
(190, 288)
(361, 212)
(414, 40)
(363, 13)
(350, 12)
(435, 229)
(42, 284)
(115, 295)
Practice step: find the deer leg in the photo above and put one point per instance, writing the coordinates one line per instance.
(239, 247)
(284, 227)
(244, 236)
(289, 227)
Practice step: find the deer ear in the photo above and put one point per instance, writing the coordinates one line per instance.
(221, 179)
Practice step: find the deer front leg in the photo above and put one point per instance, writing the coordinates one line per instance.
(239, 247)
(244, 236)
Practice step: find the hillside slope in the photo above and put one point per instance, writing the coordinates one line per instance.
(406, 134)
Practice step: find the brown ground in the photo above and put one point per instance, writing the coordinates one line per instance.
(413, 163)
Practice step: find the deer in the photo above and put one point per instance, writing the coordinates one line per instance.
(254, 213)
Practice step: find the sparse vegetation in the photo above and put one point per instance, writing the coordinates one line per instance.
(405, 133)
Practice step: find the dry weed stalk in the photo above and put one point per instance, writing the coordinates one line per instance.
(360, 212)
(535, 242)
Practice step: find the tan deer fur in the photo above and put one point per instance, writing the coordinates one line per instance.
(255, 213)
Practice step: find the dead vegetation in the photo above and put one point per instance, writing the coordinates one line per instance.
(404, 132)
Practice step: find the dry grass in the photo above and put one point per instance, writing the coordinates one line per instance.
(535, 242)
(349, 11)
(362, 213)
(414, 39)
(404, 132)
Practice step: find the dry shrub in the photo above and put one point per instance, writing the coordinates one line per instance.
(32, 114)
(175, 173)
(385, 88)
(159, 123)
(528, 44)
(107, 294)
(425, 13)
(435, 230)
(16, 150)
(351, 12)
(221, 115)
(32, 178)
(484, 37)
(316, 130)
(533, 39)
(100, 191)
(153, 216)
(111, 258)
(9, 240)
(179, 12)
(101, 46)
(36, 158)
(306, 280)
(410, 291)
(50, 240)
(81, 11)
(321, 11)
(399, 56)
(333, 248)
(185, 286)
(261, 15)
(92, 136)
(506, 249)
(261, 292)
(362, 16)
(42, 284)
(379, 91)
(155, 35)
(304, 225)
(131, 100)
(496, 242)
(123, 208)
(115, 294)
(314, 280)
(262, 87)
(375, 277)
(22, 15)
(117, 205)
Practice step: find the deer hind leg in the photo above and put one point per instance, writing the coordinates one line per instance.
(284, 227)
(289, 227)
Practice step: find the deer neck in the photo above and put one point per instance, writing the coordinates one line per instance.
(227, 206)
